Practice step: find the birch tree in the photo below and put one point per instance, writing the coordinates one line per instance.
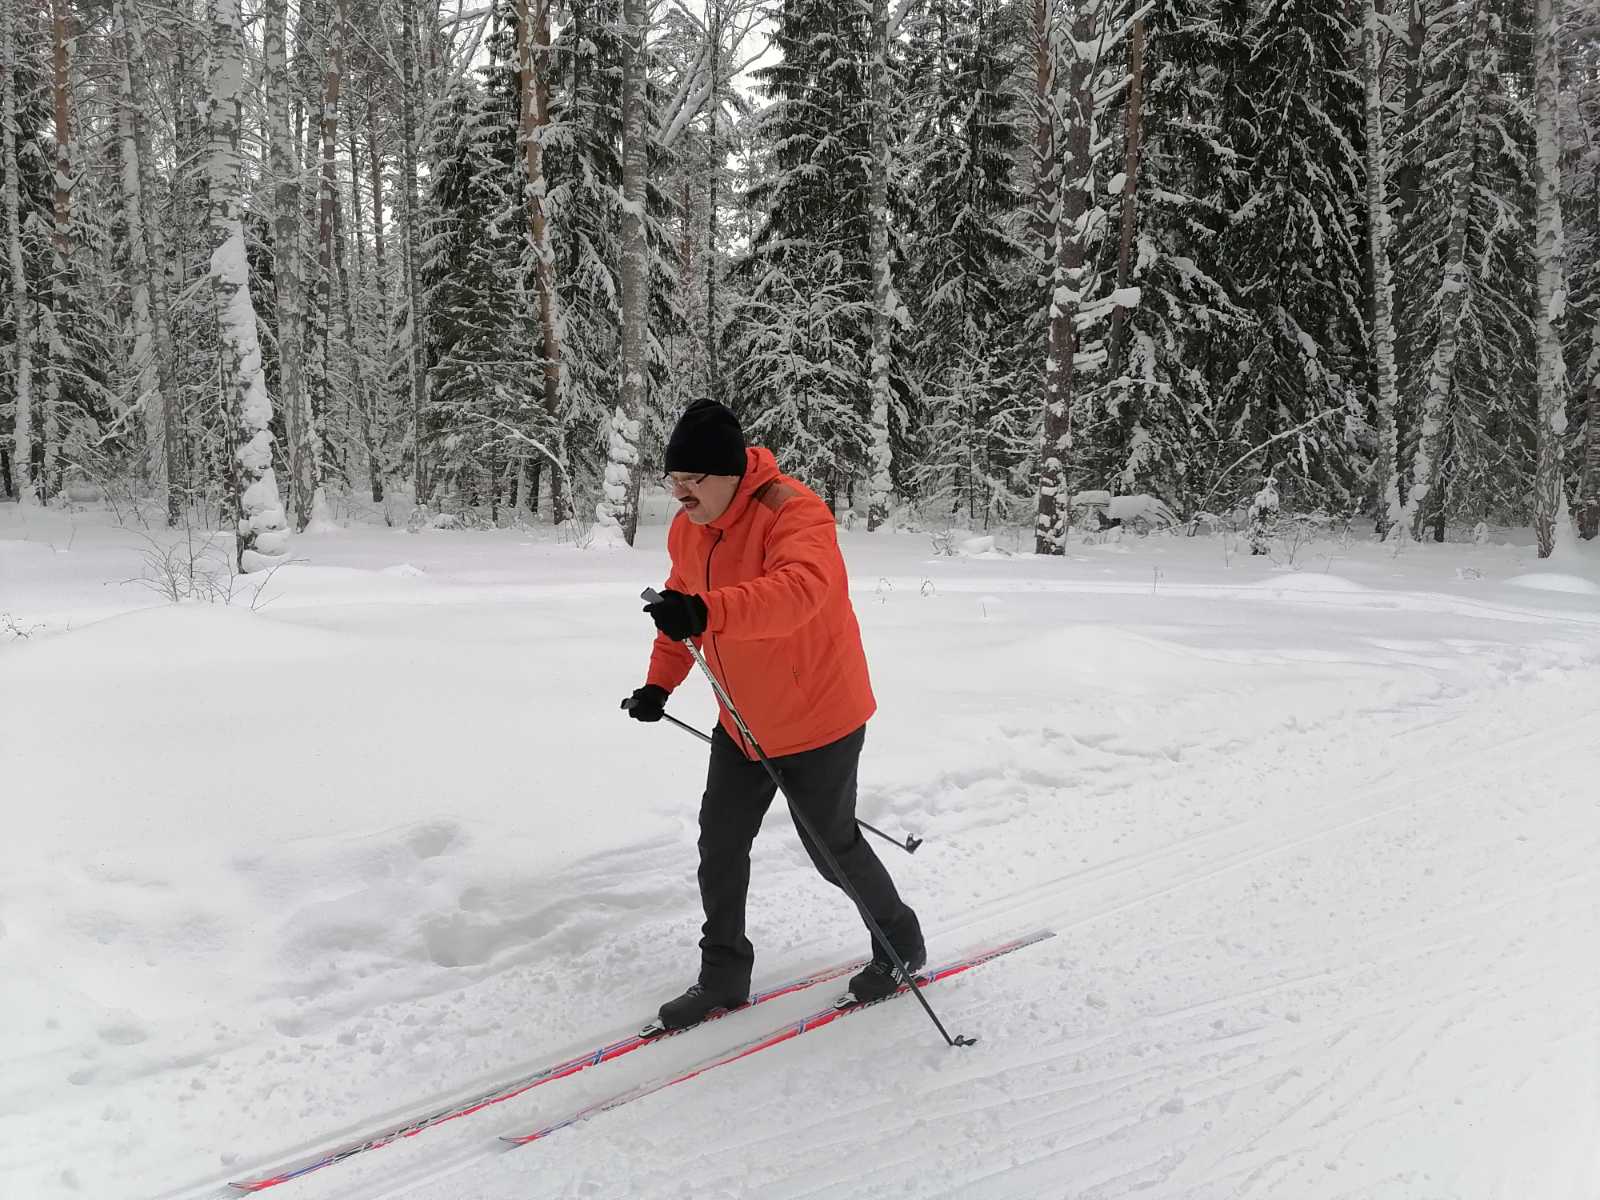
(284, 169)
(416, 313)
(242, 385)
(56, 353)
(618, 508)
(321, 409)
(353, 283)
(27, 487)
(153, 350)
(879, 455)
(380, 260)
(533, 73)
(1385, 386)
(1589, 480)
(715, 158)
(1549, 491)
(1456, 283)
(1065, 76)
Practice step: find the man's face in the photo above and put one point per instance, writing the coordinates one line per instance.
(704, 497)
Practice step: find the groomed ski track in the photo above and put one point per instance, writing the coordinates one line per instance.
(1197, 1029)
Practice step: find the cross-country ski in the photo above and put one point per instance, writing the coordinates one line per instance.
(512, 1088)
(842, 1007)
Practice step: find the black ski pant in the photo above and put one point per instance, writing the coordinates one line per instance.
(822, 784)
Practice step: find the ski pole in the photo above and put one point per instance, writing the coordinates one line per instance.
(909, 845)
(651, 596)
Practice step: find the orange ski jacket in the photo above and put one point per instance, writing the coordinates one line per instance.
(781, 634)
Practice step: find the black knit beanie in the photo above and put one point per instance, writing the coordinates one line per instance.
(706, 440)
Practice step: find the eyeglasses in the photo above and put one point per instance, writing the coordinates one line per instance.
(673, 482)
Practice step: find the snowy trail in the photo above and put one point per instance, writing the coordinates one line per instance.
(1321, 851)
(1354, 1042)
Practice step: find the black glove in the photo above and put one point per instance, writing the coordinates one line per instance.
(678, 615)
(646, 703)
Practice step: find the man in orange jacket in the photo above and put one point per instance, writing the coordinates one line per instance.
(759, 584)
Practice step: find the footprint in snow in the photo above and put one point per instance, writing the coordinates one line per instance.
(124, 1031)
(434, 840)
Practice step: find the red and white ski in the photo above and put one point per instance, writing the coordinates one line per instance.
(516, 1087)
(784, 1033)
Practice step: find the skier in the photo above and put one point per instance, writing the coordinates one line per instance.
(757, 581)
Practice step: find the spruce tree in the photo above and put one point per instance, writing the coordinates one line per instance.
(971, 407)
(800, 341)
(1162, 431)
(1291, 250)
(479, 346)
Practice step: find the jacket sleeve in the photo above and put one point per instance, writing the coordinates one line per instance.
(670, 662)
(800, 565)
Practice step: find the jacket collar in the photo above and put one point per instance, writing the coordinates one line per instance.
(760, 469)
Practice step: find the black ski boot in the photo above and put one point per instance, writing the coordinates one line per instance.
(694, 1006)
(880, 979)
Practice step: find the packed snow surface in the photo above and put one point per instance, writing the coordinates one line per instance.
(1320, 840)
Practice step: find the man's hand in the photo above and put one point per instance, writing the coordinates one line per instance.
(678, 615)
(646, 703)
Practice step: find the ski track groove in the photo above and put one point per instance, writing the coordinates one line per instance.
(1348, 1084)
(1025, 901)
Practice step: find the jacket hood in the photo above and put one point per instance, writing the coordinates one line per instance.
(760, 469)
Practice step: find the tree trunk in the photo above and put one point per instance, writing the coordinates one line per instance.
(369, 394)
(714, 172)
(1130, 177)
(284, 167)
(327, 264)
(60, 249)
(186, 263)
(380, 266)
(415, 311)
(146, 247)
(618, 507)
(1457, 280)
(1046, 170)
(243, 390)
(24, 480)
(533, 72)
(1385, 386)
(1073, 99)
(1549, 491)
(880, 456)
(1589, 488)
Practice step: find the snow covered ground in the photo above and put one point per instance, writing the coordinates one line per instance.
(1320, 842)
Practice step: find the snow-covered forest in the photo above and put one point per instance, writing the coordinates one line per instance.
(954, 260)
